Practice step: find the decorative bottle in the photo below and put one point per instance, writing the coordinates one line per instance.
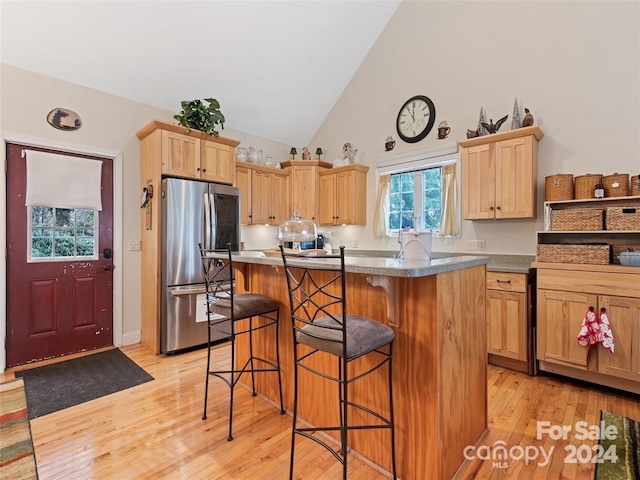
(598, 191)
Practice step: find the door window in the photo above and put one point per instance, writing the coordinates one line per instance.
(62, 234)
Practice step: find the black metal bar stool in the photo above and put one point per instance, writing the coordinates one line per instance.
(225, 309)
(317, 296)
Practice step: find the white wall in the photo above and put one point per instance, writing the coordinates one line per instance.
(573, 64)
(109, 124)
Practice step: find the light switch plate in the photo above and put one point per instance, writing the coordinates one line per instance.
(134, 245)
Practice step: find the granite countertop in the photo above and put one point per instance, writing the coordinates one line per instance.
(497, 262)
(371, 265)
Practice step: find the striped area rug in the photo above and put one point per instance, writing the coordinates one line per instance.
(17, 459)
(620, 451)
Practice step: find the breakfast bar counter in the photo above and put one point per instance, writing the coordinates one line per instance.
(437, 311)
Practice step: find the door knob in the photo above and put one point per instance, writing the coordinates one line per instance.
(107, 267)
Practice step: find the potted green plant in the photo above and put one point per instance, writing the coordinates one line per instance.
(195, 114)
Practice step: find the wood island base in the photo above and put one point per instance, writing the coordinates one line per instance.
(439, 365)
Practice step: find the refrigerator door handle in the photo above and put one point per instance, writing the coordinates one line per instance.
(206, 225)
(212, 224)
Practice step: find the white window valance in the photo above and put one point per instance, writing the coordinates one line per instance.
(417, 159)
(63, 181)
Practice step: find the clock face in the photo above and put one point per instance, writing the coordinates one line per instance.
(416, 119)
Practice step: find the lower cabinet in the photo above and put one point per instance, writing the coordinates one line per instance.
(564, 296)
(624, 315)
(509, 320)
(560, 315)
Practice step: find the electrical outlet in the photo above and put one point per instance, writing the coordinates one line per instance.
(134, 245)
(355, 243)
(476, 245)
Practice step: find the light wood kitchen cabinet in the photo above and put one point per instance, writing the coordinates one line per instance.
(560, 315)
(304, 185)
(168, 150)
(624, 315)
(499, 173)
(184, 155)
(180, 154)
(264, 194)
(507, 319)
(243, 182)
(217, 162)
(343, 195)
(565, 293)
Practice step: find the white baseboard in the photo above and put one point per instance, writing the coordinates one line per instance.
(131, 338)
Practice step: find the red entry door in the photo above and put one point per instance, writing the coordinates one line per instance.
(59, 270)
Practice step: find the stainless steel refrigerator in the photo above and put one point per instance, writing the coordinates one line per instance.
(192, 212)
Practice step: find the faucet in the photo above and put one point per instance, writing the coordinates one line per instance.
(399, 257)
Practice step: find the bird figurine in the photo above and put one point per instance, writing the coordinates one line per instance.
(472, 133)
(491, 128)
(349, 153)
(527, 121)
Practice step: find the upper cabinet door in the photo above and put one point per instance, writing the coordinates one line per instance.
(499, 173)
(304, 181)
(515, 182)
(327, 200)
(243, 182)
(261, 197)
(180, 155)
(279, 192)
(478, 180)
(217, 163)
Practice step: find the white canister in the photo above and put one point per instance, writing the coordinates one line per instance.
(416, 246)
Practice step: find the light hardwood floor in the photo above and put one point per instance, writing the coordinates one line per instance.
(155, 430)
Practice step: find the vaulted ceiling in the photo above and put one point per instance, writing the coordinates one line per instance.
(276, 67)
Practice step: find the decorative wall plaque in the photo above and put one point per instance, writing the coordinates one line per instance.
(64, 119)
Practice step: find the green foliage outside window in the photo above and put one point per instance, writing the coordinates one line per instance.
(63, 232)
(416, 196)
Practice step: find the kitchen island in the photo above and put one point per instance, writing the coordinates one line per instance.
(437, 310)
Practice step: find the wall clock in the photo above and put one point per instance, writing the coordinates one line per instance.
(415, 119)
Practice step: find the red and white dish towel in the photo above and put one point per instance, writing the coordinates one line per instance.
(596, 329)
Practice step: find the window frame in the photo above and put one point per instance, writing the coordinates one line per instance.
(53, 258)
(418, 199)
(420, 160)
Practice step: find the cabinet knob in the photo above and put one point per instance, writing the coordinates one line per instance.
(204, 170)
(491, 208)
(198, 169)
(498, 207)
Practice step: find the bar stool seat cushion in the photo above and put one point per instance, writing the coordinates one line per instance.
(363, 335)
(245, 305)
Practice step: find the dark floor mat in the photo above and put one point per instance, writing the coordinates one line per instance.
(60, 385)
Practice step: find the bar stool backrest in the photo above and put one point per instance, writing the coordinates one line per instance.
(317, 296)
(219, 279)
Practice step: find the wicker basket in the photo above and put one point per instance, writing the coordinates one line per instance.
(573, 219)
(586, 184)
(589, 254)
(616, 185)
(635, 185)
(622, 218)
(618, 249)
(558, 187)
